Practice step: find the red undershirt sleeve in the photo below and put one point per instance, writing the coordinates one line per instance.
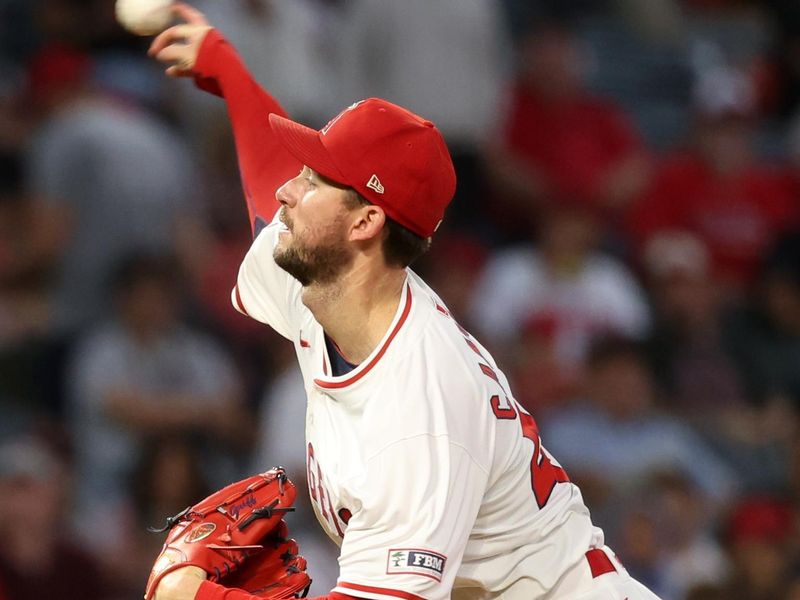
(214, 591)
(263, 162)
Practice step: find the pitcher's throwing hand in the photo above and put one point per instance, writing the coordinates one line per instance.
(179, 45)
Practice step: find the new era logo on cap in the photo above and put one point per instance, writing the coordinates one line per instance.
(375, 184)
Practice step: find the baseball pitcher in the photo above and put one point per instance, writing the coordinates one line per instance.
(422, 467)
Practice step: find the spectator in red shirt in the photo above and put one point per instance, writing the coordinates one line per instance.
(717, 188)
(560, 143)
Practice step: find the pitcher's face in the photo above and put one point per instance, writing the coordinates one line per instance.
(312, 246)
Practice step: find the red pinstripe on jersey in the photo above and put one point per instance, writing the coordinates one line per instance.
(328, 385)
(376, 590)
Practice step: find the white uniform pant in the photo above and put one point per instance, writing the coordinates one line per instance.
(579, 583)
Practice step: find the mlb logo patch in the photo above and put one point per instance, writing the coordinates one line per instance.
(413, 561)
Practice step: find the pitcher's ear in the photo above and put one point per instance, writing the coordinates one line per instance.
(368, 222)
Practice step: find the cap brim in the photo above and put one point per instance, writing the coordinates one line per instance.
(305, 144)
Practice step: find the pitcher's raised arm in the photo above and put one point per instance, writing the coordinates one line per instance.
(195, 49)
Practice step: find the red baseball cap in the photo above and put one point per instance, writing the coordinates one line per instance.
(761, 518)
(392, 157)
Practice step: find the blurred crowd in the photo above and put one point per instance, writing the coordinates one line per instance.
(625, 239)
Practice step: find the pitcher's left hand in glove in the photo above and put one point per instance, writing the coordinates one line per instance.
(277, 572)
(238, 530)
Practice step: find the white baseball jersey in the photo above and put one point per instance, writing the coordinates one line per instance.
(420, 463)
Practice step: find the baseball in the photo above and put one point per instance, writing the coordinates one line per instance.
(144, 17)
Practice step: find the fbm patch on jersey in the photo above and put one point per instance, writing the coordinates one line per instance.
(415, 562)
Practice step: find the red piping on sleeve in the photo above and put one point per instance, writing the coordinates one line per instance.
(376, 590)
(239, 304)
(213, 591)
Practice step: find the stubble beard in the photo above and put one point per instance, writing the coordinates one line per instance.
(321, 264)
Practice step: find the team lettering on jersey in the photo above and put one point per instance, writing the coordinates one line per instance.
(321, 497)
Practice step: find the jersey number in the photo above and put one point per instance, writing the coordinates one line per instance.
(544, 474)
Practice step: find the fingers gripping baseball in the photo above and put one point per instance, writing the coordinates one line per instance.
(179, 45)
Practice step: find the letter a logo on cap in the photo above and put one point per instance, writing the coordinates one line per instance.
(332, 122)
(375, 184)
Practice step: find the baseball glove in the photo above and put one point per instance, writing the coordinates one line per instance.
(239, 523)
(277, 572)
